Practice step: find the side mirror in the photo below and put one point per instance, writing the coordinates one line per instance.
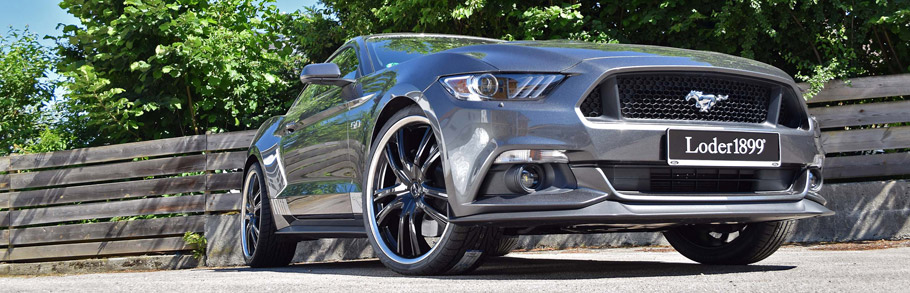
(323, 73)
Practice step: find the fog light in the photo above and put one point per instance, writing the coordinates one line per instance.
(815, 179)
(523, 179)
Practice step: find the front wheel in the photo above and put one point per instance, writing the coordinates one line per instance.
(406, 204)
(738, 244)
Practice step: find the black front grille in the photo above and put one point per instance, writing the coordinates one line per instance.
(663, 96)
(593, 105)
(665, 179)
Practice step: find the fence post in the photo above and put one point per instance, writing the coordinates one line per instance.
(6, 162)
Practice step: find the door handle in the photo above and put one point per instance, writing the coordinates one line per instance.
(290, 127)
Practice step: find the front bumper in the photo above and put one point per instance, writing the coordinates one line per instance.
(648, 214)
(475, 133)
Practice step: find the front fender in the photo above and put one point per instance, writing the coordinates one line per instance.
(265, 148)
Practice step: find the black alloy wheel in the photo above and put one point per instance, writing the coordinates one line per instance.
(406, 204)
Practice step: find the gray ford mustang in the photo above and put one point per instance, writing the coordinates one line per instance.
(442, 149)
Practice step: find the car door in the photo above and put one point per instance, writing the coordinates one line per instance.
(315, 146)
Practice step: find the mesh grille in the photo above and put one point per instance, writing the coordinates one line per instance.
(592, 106)
(659, 179)
(662, 96)
(702, 180)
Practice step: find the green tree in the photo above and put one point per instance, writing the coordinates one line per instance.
(24, 89)
(139, 70)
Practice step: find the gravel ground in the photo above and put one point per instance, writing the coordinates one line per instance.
(793, 268)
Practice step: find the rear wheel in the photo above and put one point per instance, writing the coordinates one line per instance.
(501, 244)
(406, 204)
(261, 246)
(730, 244)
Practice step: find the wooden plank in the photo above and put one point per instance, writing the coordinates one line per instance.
(223, 202)
(225, 161)
(866, 139)
(230, 140)
(102, 210)
(224, 181)
(4, 182)
(5, 200)
(154, 167)
(867, 166)
(117, 190)
(862, 114)
(160, 147)
(4, 219)
(4, 164)
(97, 249)
(864, 88)
(175, 226)
(4, 238)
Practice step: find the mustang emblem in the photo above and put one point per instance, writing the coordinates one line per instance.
(704, 102)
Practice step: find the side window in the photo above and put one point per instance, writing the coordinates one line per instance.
(347, 63)
(312, 100)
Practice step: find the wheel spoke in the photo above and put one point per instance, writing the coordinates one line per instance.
(396, 169)
(423, 144)
(412, 231)
(253, 237)
(431, 157)
(394, 190)
(403, 242)
(433, 213)
(435, 192)
(405, 165)
(388, 209)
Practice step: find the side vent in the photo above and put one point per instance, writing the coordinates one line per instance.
(592, 106)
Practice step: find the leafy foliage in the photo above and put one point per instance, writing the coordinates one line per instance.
(199, 243)
(24, 89)
(142, 70)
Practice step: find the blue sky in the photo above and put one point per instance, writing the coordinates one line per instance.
(42, 16)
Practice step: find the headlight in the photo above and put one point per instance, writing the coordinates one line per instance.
(486, 86)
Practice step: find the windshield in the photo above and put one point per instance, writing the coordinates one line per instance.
(391, 50)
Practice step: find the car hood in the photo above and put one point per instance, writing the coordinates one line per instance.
(563, 55)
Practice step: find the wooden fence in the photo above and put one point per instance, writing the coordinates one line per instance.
(853, 127)
(95, 202)
(71, 204)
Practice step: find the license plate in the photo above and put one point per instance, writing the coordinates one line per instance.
(722, 148)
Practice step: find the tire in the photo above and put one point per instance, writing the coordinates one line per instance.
(405, 205)
(265, 248)
(500, 244)
(710, 244)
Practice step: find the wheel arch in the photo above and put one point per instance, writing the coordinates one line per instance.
(395, 104)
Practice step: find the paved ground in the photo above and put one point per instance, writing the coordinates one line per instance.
(793, 268)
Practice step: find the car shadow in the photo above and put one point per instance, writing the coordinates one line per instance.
(514, 268)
